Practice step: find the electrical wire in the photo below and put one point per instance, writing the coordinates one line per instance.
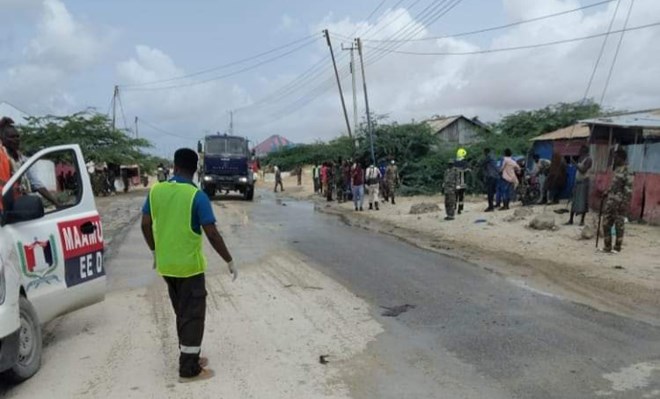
(531, 46)
(494, 28)
(616, 53)
(216, 78)
(224, 66)
(312, 74)
(123, 115)
(414, 28)
(160, 130)
(602, 51)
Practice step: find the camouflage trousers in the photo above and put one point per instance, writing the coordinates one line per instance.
(615, 219)
(450, 204)
(387, 190)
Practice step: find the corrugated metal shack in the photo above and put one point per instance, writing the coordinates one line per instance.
(639, 134)
(567, 142)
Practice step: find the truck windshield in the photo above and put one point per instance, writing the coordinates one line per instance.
(225, 146)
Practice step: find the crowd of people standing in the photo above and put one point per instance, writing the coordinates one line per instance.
(348, 180)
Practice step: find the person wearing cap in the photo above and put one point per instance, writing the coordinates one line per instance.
(391, 181)
(449, 189)
(462, 167)
(173, 217)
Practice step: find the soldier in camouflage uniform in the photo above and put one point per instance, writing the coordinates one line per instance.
(391, 181)
(449, 189)
(617, 202)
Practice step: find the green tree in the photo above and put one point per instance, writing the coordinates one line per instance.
(95, 135)
(536, 122)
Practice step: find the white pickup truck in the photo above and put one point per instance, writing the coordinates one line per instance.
(51, 259)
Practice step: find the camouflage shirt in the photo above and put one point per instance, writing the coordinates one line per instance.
(451, 180)
(620, 192)
(392, 174)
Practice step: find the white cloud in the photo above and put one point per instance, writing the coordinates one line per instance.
(62, 47)
(189, 111)
(491, 85)
(287, 23)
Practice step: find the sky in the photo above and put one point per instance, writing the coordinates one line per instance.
(181, 65)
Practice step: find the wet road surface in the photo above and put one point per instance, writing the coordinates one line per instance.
(519, 342)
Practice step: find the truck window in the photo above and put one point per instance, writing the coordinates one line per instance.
(54, 177)
(225, 146)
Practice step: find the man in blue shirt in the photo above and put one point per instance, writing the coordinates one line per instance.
(179, 257)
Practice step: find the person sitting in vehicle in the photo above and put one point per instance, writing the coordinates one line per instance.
(11, 140)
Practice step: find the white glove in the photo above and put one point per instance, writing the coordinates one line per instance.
(233, 270)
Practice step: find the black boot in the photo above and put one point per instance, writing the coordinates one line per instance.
(377, 206)
(371, 206)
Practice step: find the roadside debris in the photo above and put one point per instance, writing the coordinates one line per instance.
(544, 221)
(519, 214)
(395, 311)
(323, 359)
(587, 232)
(424, 207)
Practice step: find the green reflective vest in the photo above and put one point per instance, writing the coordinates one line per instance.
(178, 248)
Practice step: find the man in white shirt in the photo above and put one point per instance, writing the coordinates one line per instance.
(373, 176)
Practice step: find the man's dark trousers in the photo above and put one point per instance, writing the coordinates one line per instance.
(491, 189)
(188, 296)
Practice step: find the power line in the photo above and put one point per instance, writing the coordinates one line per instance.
(616, 53)
(497, 50)
(414, 28)
(602, 51)
(242, 70)
(205, 71)
(165, 132)
(121, 107)
(310, 75)
(495, 28)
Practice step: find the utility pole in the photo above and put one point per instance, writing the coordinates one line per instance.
(353, 76)
(231, 122)
(366, 102)
(136, 127)
(341, 93)
(114, 107)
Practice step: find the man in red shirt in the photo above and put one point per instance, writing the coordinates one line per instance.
(357, 179)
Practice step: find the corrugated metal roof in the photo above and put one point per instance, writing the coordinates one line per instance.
(577, 131)
(644, 119)
(438, 124)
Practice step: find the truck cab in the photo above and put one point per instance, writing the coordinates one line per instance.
(225, 165)
(51, 257)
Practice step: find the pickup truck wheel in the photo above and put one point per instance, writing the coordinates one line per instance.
(29, 345)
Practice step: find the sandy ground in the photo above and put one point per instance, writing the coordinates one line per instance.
(557, 261)
(265, 333)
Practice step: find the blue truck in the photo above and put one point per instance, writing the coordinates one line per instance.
(225, 166)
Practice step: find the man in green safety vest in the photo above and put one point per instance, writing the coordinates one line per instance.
(173, 217)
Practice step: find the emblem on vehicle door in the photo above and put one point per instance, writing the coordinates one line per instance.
(39, 260)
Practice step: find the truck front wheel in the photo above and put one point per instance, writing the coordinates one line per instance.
(29, 345)
(210, 191)
(249, 193)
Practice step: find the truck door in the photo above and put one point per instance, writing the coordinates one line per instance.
(60, 247)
